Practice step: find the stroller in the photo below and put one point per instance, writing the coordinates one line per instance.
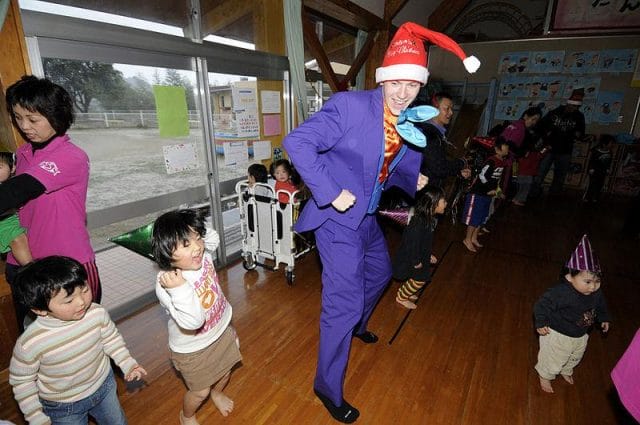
(267, 229)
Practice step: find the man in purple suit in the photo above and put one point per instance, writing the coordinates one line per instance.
(347, 154)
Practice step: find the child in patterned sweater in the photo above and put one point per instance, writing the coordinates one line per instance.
(204, 346)
(60, 370)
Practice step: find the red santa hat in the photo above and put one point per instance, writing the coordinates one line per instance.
(406, 57)
(576, 97)
(584, 258)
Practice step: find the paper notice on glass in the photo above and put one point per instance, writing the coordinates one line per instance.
(261, 149)
(244, 99)
(235, 153)
(270, 101)
(248, 124)
(271, 125)
(180, 157)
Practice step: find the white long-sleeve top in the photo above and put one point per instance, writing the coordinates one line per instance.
(199, 312)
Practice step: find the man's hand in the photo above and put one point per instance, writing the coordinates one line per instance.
(344, 201)
(465, 173)
(543, 330)
(422, 181)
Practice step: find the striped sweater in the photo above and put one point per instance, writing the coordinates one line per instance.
(65, 361)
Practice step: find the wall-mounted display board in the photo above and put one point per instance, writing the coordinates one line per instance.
(595, 15)
(546, 70)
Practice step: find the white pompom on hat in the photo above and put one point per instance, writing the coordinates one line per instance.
(406, 57)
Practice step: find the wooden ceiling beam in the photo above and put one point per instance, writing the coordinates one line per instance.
(315, 47)
(362, 57)
(339, 42)
(392, 8)
(346, 12)
(445, 13)
(224, 14)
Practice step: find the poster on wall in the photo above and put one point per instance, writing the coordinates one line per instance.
(582, 15)
(509, 110)
(588, 108)
(620, 60)
(513, 63)
(546, 62)
(608, 107)
(582, 62)
(591, 86)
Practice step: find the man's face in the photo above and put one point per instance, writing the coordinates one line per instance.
(445, 109)
(398, 94)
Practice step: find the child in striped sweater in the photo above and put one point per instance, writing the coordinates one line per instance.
(60, 370)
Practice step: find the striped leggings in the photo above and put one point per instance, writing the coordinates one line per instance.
(409, 288)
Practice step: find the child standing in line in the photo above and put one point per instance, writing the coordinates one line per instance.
(484, 187)
(204, 346)
(414, 256)
(60, 370)
(599, 164)
(527, 171)
(12, 236)
(565, 313)
(287, 180)
(257, 173)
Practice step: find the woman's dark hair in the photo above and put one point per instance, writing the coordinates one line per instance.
(532, 111)
(8, 158)
(38, 282)
(172, 229)
(605, 139)
(44, 97)
(427, 203)
(259, 172)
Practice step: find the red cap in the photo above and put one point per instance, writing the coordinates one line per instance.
(406, 57)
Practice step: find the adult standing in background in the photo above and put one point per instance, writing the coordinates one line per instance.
(560, 129)
(435, 164)
(52, 176)
(347, 154)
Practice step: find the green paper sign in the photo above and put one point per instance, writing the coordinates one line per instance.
(171, 109)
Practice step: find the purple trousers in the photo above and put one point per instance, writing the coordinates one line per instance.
(356, 269)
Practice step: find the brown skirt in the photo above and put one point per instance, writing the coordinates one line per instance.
(204, 368)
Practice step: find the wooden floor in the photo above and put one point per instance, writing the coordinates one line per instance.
(465, 356)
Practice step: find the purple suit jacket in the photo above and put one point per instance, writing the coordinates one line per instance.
(339, 148)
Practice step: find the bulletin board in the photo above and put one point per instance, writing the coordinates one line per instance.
(556, 64)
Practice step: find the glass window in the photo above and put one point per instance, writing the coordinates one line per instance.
(134, 155)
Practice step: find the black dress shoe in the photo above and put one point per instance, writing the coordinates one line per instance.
(344, 413)
(368, 337)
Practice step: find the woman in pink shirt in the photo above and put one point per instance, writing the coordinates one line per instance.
(52, 175)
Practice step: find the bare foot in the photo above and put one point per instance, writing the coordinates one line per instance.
(568, 378)
(469, 246)
(545, 384)
(222, 402)
(476, 243)
(406, 303)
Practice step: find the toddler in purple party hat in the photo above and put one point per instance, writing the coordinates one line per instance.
(566, 312)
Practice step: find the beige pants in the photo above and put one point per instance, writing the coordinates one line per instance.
(559, 354)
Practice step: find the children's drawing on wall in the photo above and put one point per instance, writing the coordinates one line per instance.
(588, 108)
(546, 62)
(608, 107)
(582, 62)
(591, 86)
(620, 60)
(514, 86)
(514, 63)
(509, 109)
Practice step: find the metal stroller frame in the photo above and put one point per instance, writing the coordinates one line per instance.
(267, 228)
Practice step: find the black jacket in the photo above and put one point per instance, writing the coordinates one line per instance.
(435, 163)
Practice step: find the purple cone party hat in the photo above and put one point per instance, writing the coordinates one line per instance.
(400, 215)
(583, 258)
